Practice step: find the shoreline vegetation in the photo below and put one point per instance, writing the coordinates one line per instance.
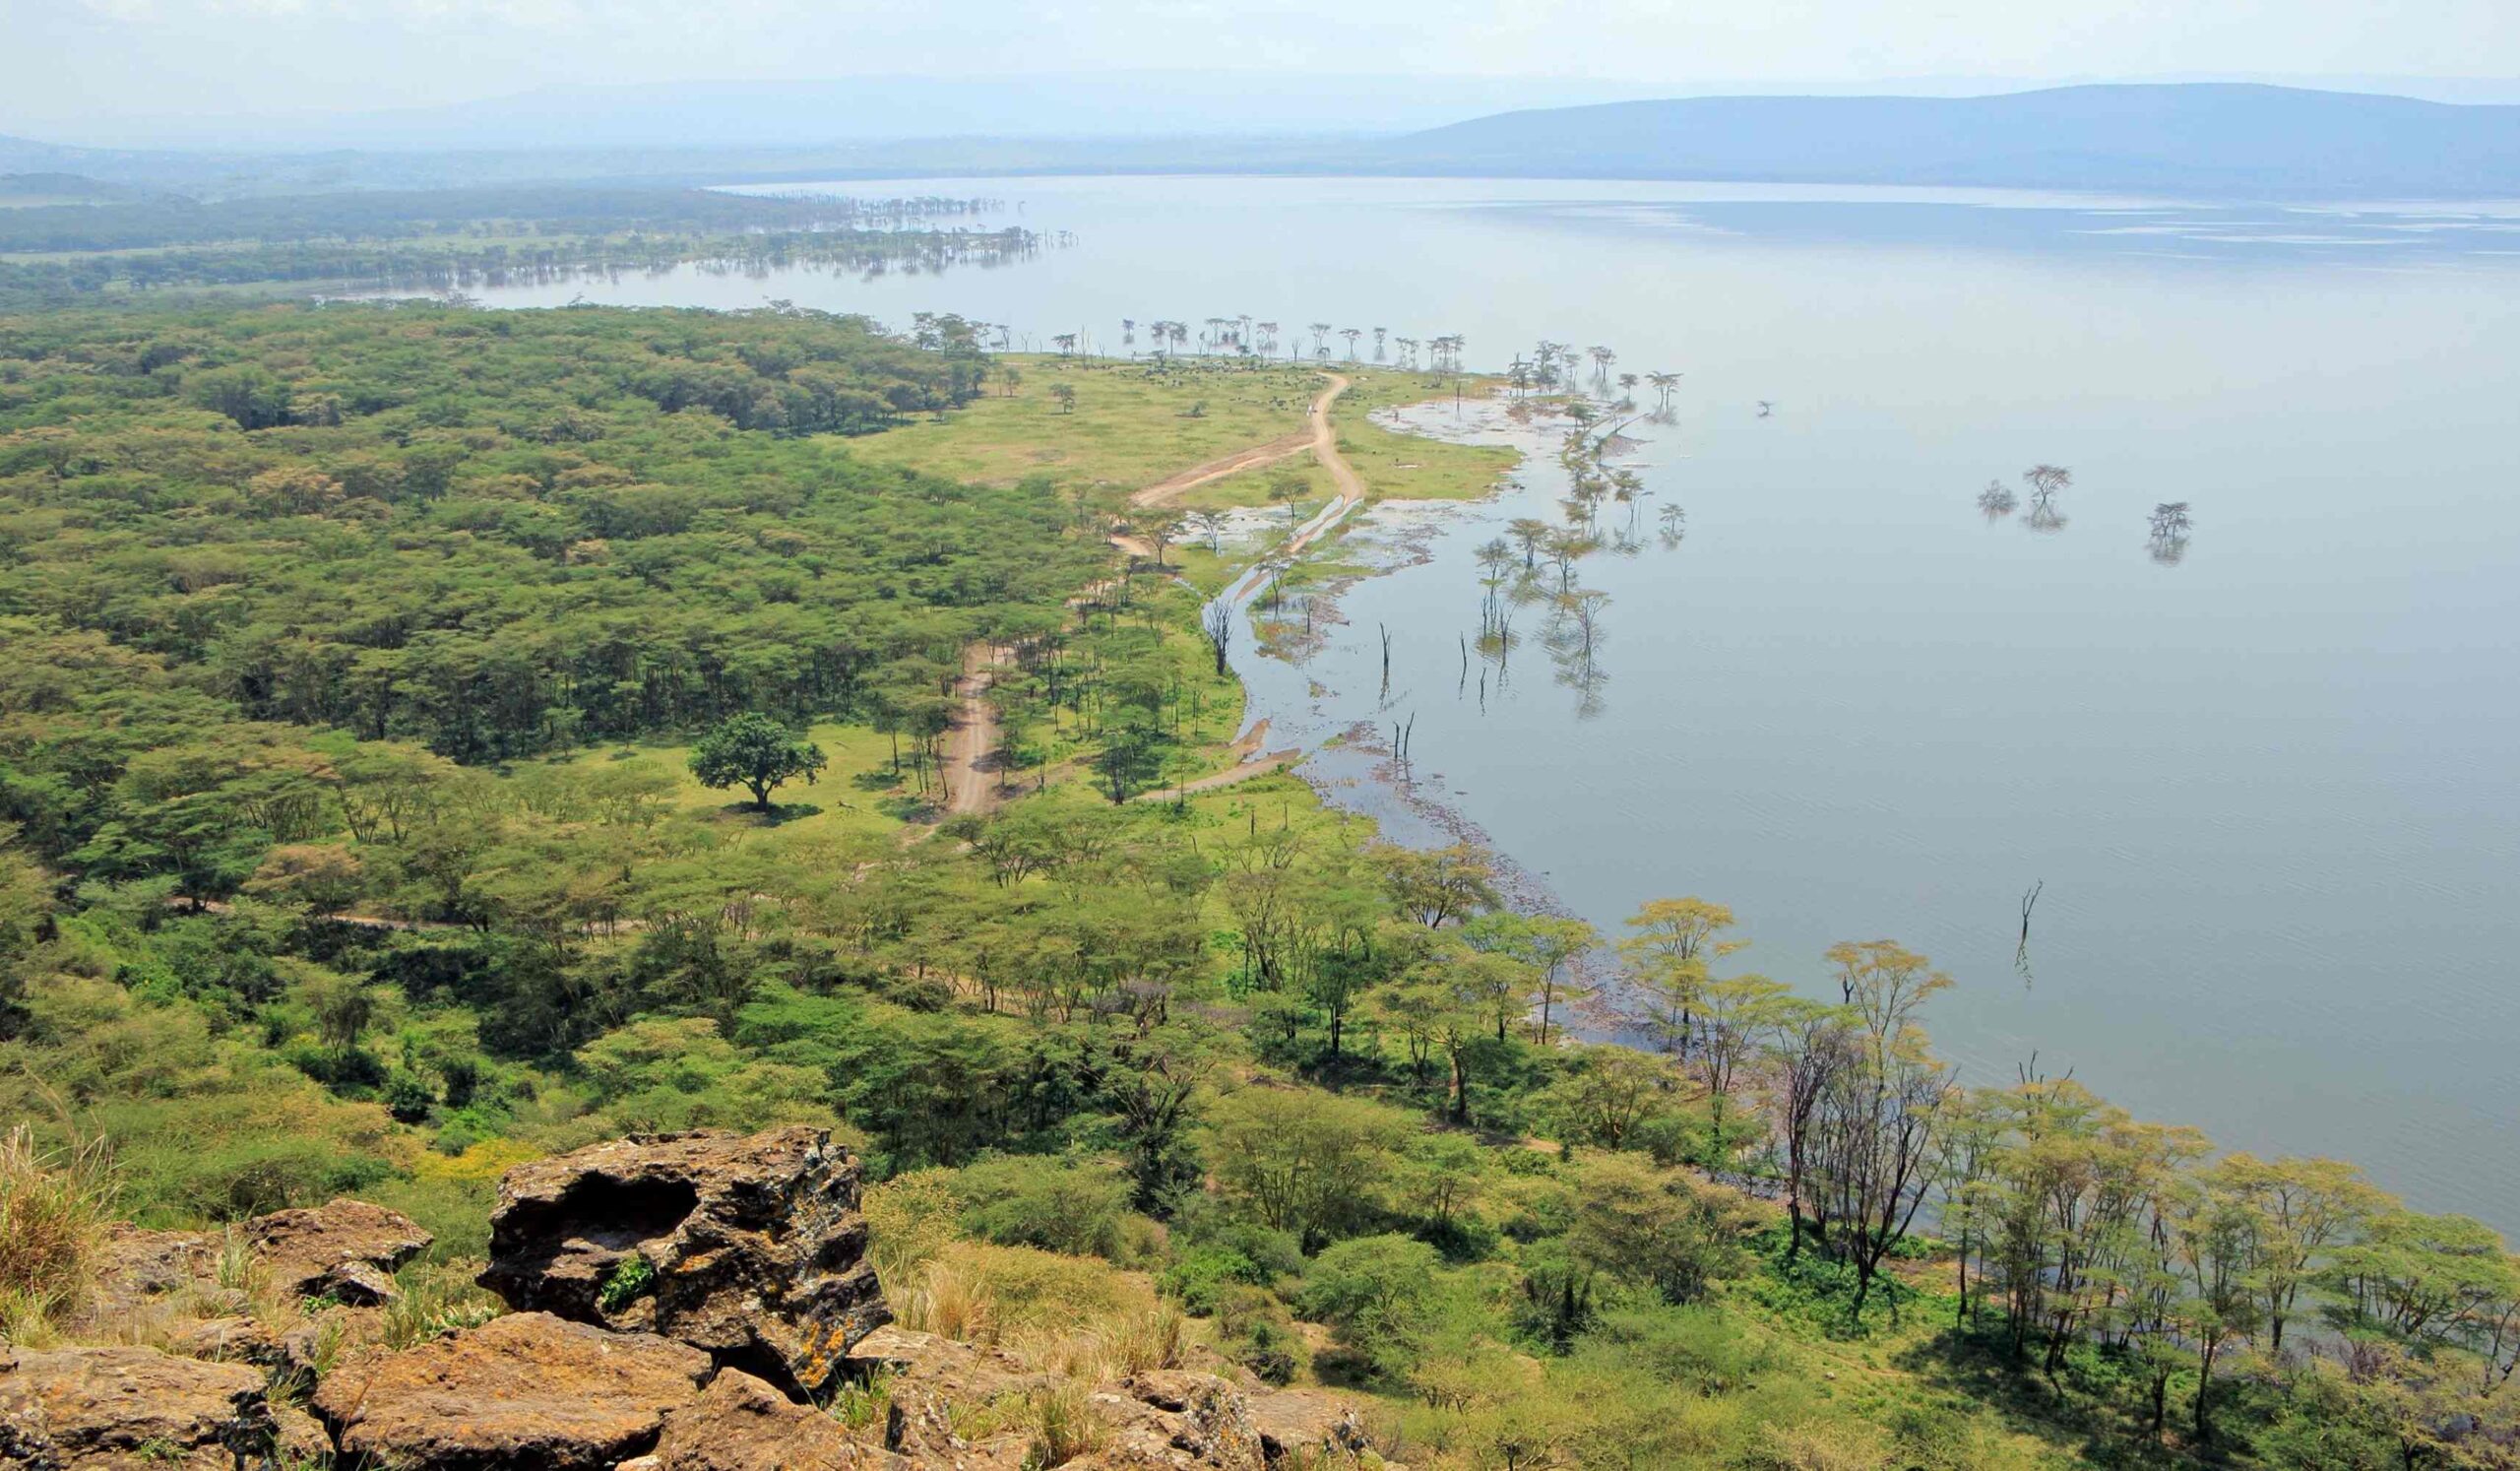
(489, 623)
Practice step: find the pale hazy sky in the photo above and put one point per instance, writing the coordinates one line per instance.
(99, 60)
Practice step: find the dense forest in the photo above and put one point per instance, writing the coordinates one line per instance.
(345, 847)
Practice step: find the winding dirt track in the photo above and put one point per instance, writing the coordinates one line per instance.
(967, 788)
(967, 785)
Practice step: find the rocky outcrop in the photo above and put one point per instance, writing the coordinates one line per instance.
(686, 1302)
(1155, 1420)
(136, 1269)
(108, 1409)
(1306, 1423)
(933, 1384)
(347, 1250)
(1175, 1420)
(526, 1392)
(741, 1424)
(750, 1248)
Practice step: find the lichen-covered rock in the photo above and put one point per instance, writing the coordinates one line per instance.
(236, 1340)
(1307, 1422)
(741, 1424)
(138, 1273)
(1155, 1420)
(526, 1392)
(124, 1408)
(345, 1249)
(1174, 1420)
(753, 1247)
(936, 1385)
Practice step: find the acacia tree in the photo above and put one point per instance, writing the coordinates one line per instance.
(757, 752)
(1876, 1126)
(1668, 959)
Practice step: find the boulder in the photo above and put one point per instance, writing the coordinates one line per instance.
(125, 1408)
(347, 1249)
(239, 1340)
(1155, 1420)
(741, 1424)
(753, 1245)
(140, 1271)
(934, 1383)
(1307, 1422)
(1174, 1420)
(526, 1392)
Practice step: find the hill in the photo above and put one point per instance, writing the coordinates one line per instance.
(2203, 138)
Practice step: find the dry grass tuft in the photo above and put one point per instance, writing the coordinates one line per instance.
(1063, 1426)
(54, 1207)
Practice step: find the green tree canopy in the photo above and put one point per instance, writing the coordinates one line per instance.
(757, 752)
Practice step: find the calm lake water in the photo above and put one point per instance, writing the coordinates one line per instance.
(2273, 790)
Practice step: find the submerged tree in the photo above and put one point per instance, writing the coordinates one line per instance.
(2168, 541)
(1997, 501)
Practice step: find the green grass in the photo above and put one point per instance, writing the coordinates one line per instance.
(1132, 427)
(856, 796)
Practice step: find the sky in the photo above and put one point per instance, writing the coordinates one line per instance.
(101, 68)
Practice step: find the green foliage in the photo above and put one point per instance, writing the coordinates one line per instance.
(1057, 1205)
(630, 1280)
(1199, 1278)
(756, 752)
(1376, 1290)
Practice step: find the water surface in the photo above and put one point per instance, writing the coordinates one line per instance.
(2270, 788)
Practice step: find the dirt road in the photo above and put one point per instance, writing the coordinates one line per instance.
(970, 787)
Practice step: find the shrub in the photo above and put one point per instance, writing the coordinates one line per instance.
(409, 1099)
(1052, 1204)
(1254, 1330)
(1372, 1288)
(1202, 1275)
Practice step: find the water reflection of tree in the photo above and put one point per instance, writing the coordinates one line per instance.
(2168, 541)
(2046, 482)
(1573, 636)
(1997, 501)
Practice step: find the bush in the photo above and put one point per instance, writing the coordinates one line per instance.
(1052, 1204)
(1375, 1290)
(409, 1099)
(1254, 1330)
(1200, 1278)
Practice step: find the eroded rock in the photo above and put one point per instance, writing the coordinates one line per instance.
(347, 1249)
(1174, 1420)
(936, 1387)
(112, 1408)
(742, 1423)
(141, 1272)
(1307, 1422)
(755, 1245)
(526, 1392)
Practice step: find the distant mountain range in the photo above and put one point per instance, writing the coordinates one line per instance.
(2198, 139)
(2201, 137)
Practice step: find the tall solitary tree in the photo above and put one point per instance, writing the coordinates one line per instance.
(754, 751)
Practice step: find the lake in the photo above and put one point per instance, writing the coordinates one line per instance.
(2272, 789)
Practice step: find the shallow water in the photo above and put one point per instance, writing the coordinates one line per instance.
(2270, 788)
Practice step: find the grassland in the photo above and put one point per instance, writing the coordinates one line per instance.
(1133, 425)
